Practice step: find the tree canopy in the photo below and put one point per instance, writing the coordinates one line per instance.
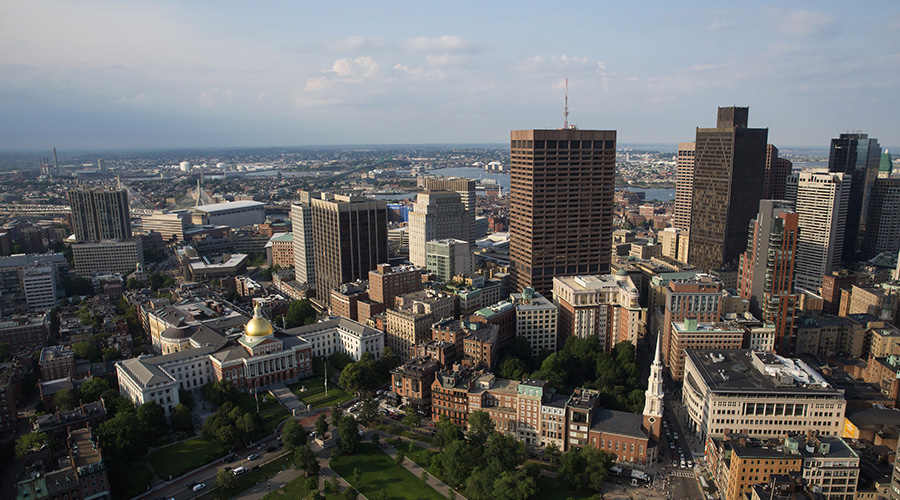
(586, 468)
(33, 441)
(93, 389)
(300, 312)
(583, 363)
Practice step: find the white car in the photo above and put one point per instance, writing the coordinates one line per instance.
(682, 464)
(199, 487)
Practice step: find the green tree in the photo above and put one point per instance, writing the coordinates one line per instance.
(225, 479)
(300, 312)
(480, 427)
(86, 350)
(353, 377)
(111, 353)
(293, 435)
(350, 494)
(64, 400)
(455, 463)
(33, 441)
(181, 418)
(93, 389)
(513, 368)
(123, 436)
(446, 432)
(552, 453)
(411, 417)
(348, 435)
(308, 461)
(399, 458)
(337, 413)
(515, 485)
(321, 426)
(219, 393)
(153, 419)
(368, 411)
(75, 285)
(586, 468)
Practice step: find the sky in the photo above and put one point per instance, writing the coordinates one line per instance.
(132, 74)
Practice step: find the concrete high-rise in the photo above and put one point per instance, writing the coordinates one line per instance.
(684, 185)
(821, 200)
(767, 269)
(858, 156)
(437, 215)
(100, 214)
(466, 190)
(729, 171)
(883, 226)
(350, 235)
(777, 171)
(561, 208)
(302, 242)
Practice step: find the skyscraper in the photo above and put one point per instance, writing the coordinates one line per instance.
(729, 170)
(437, 215)
(883, 226)
(350, 235)
(777, 171)
(858, 156)
(466, 190)
(684, 185)
(767, 268)
(821, 200)
(100, 214)
(304, 248)
(561, 208)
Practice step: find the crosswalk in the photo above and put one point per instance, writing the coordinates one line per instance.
(683, 473)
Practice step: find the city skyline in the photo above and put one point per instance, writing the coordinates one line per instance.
(169, 75)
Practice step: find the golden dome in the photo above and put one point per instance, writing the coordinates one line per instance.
(259, 326)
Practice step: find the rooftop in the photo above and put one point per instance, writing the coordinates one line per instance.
(743, 370)
(228, 205)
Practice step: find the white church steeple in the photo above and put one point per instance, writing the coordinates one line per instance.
(653, 398)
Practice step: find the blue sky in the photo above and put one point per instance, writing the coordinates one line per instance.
(115, 74)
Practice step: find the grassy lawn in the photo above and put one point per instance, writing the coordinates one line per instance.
(249, 479)
(296, 489)
(315, 393)
(176, 459)
(417, 454)
(553, 488)
(380, 478)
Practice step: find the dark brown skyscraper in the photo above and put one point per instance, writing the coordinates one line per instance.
(777, 171)
(729, 171)
(561, 209)
(350, 235)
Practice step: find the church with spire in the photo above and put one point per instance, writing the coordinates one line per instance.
(633, 438)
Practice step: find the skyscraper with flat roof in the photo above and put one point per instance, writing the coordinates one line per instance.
(561, 208)
(100, 214)
(777, 171)
(729, 171)
(350, 235)
(436, 215)
(684, 185)
(466, 190)
(821, 200)
(859, 156)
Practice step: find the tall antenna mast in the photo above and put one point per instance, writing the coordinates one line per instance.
(566, 108)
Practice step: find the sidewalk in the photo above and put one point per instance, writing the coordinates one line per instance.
(416, 471)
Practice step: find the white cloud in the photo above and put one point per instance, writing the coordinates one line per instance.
(138, 99)
(802, 22)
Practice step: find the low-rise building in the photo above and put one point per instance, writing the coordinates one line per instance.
(57, 362)
(758, 394)
(341, 335)
(9, 384)
(108, 256)
(412, 382)
(409, 323)
(25, 334)
(536, 320)
(692, 334)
